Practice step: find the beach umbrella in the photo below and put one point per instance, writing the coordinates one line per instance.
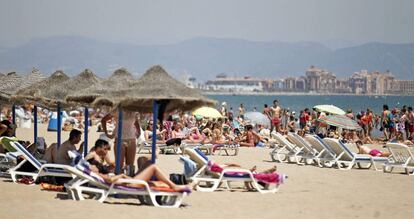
(329, 109)
(11, 83)
(208, 112)
(158, 92)
(154, 91)
(257, 118)
(121, 79)
(57, 94)
(40, 94)
(34, 77)
(340, 121)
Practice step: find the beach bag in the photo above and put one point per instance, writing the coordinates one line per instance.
(178, 179)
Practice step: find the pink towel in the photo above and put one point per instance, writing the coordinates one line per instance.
(267, 178)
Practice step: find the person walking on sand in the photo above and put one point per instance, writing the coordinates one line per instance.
(276, 115)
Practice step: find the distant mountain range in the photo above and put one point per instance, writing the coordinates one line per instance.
(204, 58)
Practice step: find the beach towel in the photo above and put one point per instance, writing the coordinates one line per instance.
(190, 167)
(201, 154)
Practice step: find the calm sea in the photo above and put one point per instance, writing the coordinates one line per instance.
(298, 102)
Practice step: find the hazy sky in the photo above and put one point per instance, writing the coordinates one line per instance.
(154, 22)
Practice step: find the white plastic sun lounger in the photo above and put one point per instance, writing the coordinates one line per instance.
(88, 182)
(56, 170)
(346, 159)
(207, 181)
(401, 157)
(309, 153)
(326, 156)
(286, 151)
(208, 148)
(8, 161)
(163, 148)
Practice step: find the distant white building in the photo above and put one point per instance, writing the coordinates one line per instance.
(235, 84)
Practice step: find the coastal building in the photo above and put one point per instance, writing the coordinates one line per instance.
(402, 87)
(237, 84)
(371, 83)
(315, 80)
(342, 86)
(320, 81)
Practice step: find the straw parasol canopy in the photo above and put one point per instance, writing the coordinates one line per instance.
(34, 77)
(4, 98)
(119, 80)
(36, 92)
(58, 93)
(155, 84)
(10, 83)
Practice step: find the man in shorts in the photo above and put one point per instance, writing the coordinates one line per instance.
(276, 114)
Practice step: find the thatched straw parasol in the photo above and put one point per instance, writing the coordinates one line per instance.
(11, 83)
(155, 84)
(82, 81)
(36, 92)
(4, 98)
(119, 80)
(34, 77)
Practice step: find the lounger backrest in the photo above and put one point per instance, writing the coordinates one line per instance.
(320, 141)
(283, 141)
(400, 153)
(5, 141)
(298, 140)
(339, 148)
(26, 154)
(84, 172)
(199, 160)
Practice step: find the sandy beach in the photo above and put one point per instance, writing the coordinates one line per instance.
(310, 192)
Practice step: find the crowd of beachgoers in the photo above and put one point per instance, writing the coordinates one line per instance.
(232, 128)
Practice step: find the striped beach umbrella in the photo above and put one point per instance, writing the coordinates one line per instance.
(330, 109)
(340, 121)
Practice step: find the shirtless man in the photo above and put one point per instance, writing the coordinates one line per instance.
(276, 114)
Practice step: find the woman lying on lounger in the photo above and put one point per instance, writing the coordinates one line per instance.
(145, 172)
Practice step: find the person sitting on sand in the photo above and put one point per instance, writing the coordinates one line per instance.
(99, 156)
(250, 138)
(363, 149)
